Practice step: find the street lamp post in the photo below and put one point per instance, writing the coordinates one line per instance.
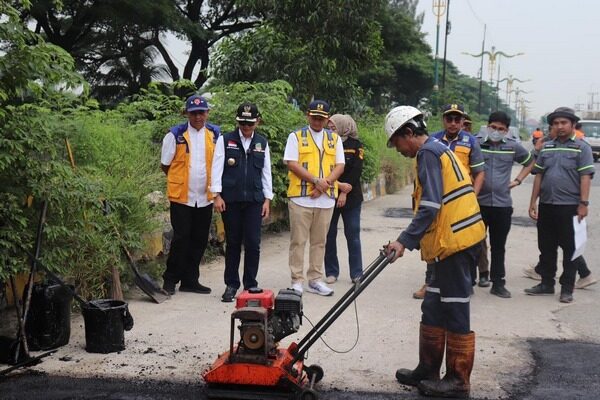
(439, 8)
(510, 80)
(492, 56)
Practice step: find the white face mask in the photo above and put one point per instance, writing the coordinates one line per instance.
(495, 136)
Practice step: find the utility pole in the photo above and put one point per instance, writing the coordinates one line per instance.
(446, 45)
(481, 71)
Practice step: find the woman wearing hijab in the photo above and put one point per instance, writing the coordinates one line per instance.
(348, 203)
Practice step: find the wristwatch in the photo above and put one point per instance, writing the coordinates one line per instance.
(584, 202)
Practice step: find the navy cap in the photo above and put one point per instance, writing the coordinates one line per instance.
(247, 112)
(196, 103)
(453, 108)
(318, 108)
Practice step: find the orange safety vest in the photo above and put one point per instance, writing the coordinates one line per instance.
(179, 170)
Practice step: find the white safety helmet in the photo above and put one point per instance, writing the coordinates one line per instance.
(400, 116)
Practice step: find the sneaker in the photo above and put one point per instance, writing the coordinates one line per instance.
(500, 291)
(331, 279)
(194, 288)
(319, 288)
(356, 279)
(539, 290)
(229, 294)
(566, 296)
(298, 287)
(484, 281)
(530, 273)
(420, 294)
(585, 282)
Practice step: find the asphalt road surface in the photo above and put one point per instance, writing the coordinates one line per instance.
(563, 370)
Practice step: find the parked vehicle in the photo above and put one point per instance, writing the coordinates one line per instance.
(591, 128)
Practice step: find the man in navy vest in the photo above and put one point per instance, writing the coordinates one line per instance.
(243, 189)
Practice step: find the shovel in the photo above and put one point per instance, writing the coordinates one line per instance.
(144, 281)
(141, 280)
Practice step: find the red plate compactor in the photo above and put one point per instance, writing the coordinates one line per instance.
(256, 367)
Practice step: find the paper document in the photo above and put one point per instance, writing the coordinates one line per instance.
(580, 229)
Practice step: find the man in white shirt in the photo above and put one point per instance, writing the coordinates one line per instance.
(243, 190)
(186, 159)
(315, 160)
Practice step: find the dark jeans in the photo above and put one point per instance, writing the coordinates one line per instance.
(242, 222)
(190, 237)
(497, 220)
(447, 299)
(555, 229)
(351, 218)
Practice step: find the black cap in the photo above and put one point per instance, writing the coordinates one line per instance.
(318, 108)
(247, 112)
(453, 108)
(562, 112)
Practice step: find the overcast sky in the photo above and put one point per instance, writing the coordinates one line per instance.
(560, 39)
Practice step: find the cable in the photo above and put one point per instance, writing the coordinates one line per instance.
(357, 333)
(475, 14)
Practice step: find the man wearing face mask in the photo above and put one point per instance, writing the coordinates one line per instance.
(500, 152)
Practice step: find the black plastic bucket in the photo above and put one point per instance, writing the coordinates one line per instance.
(105, 325)
(48, 323)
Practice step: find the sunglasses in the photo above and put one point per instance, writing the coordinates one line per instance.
(246, 123)
(453, 118)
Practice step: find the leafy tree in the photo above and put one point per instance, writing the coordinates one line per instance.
(318, 46)
(98, 33)
(32, 73)
(404, 72)
(128, 75)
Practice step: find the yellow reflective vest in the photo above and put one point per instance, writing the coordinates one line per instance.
(179, 170)
(458, 224)
(319, 164)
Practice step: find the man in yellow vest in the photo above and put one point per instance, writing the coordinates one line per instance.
(186, 159)
(315, 160)
(448, 229)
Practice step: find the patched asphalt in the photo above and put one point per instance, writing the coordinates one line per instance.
(563, 370)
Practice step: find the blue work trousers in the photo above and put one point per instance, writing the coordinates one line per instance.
(448, 296)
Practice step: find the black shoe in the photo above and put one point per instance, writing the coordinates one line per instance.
(169, 287)
(484, 281)
(500, 291)
(229, 294)
(540, 290)
(566, 296)
(194, 288)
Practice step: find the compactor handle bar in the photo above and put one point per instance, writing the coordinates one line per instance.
(334, 313)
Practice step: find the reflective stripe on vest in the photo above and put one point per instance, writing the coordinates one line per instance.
(458, 224)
